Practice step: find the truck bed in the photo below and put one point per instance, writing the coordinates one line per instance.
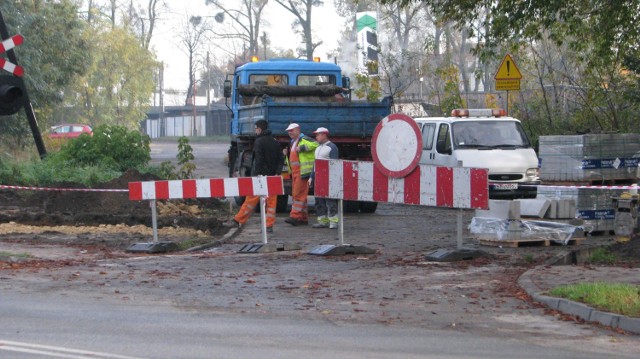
(343, 119)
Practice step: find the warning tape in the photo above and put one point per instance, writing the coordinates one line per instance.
(63, 189)
(584, 187)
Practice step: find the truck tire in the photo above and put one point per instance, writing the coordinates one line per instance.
(351, 206)
(368, 207)
(283, 204)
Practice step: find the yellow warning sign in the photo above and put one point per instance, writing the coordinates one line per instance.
(508, 70)
(507, 85)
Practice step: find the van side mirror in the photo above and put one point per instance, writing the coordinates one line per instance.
(227, 88)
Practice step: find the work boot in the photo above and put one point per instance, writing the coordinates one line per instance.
(232, 223)
(296, 222)
(333, 225)
(320, 225)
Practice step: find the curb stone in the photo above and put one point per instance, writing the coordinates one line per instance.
(580, 310)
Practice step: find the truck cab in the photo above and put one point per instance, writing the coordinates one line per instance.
(282, 79)
(483, 138)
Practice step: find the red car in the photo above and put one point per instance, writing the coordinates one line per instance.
(69, 131)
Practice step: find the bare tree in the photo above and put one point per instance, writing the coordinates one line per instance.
(192, 37)
(148, 23)
(245, 17)
(301, 9)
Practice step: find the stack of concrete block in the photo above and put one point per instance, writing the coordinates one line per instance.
(548, 208)
(589, 158)
(593, 205)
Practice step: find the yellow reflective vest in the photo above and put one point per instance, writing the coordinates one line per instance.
(307, 156)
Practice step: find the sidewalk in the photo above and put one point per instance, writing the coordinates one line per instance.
(539, 280)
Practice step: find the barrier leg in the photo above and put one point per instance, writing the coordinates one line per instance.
(340, 249)
(459, 229)
(458, 254)
(155, 246)
(154, 219)
(341, 223)
(265, 247)
(263, 218)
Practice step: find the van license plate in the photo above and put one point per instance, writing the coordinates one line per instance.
(505, 186)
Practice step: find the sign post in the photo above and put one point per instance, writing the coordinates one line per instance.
(508, 77)
(11, 65)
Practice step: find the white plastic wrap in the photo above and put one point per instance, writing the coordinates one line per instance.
(518, 229)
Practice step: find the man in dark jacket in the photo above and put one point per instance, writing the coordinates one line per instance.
(267, 161)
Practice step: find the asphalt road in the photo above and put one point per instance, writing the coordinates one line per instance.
(38, 326)
(222, 304)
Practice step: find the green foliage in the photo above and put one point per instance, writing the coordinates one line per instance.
(118, 84)
(611, 297)
(112, 147)
(602, 256)
(51, 172)
(368, 87)
(451, 97)
(185, 156)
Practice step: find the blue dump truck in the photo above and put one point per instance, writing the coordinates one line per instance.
(309, 93)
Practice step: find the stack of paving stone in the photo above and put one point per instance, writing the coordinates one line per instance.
(593, 205)
(589, 158)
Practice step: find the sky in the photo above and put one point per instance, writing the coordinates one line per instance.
(325, 21)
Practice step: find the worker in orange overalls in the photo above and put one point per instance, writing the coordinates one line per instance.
(300, 161)
(267, 161)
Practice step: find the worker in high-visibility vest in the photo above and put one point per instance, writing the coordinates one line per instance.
(300, 158)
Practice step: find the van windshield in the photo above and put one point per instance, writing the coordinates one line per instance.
(489, 134)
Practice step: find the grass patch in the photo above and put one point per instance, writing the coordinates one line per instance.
(196, 139)
(602, 256)
(610, 297)
(16, 255)
(194, 242)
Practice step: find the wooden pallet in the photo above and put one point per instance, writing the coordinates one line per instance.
(515, 243)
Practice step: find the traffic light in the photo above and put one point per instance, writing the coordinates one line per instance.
(12, 95)
(372, 46)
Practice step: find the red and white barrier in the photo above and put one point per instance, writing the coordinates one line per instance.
(206, 188)
(454, 187)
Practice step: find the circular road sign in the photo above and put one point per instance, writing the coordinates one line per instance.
(396, 145)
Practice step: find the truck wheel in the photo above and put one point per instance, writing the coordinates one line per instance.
(368, 207)
(350, 206)
(283, 204)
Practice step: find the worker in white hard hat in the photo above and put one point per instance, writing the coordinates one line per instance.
(299, 160)
(326, 208)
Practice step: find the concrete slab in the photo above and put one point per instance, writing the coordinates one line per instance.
(534, 207)
(501, 209)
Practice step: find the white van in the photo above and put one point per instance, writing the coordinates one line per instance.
(483, 138)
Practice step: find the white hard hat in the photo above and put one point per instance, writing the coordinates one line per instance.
(292, 126)
(321, 130)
